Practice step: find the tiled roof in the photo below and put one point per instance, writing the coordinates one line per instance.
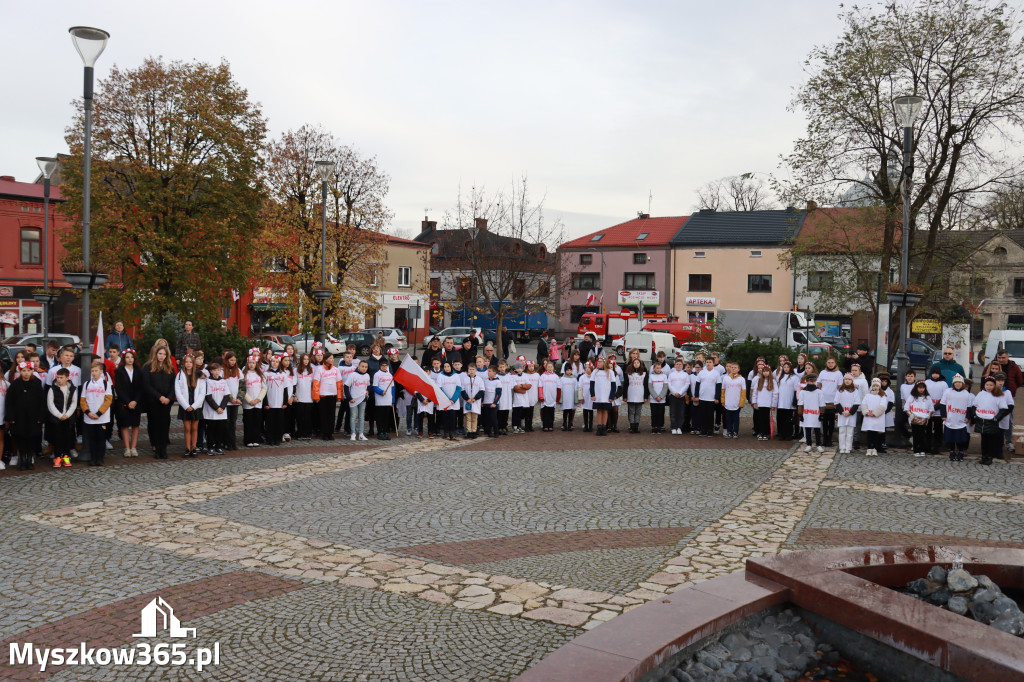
(708, 228)
(632, 233)
(29, 190)
(848, 229)
(404, 242)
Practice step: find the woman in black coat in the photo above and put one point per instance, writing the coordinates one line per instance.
(25, 413)
(129, 401)
(158, 382)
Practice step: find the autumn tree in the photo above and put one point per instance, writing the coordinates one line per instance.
(175, 187)
(506, 253)
(356, 217)
(966, 59)
(736, 193)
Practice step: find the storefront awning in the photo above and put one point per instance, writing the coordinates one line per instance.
(269, 306)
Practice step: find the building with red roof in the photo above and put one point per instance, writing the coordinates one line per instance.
(21, 260)
(622, 266)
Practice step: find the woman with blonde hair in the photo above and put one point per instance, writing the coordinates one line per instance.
(158, 385)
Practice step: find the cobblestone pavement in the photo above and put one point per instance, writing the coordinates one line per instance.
(419, 559)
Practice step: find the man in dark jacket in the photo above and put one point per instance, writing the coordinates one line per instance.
(586, 345)
(432, 349)
(542, 348)
(506, 340)
(468, 351)
(1014, 379)
(862, 357)
(948, 367)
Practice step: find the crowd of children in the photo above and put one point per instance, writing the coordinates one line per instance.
(288, 395)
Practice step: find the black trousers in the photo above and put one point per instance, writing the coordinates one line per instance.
(341, 423)
(448, 422)
(935, 426)
(503, 420)
(230, 426)
(588, 420)
(922, 441)
(216, 433)
(528, 418)
(303, 419)
(812, 432)
(657, 415)
(567, 417)
(828, 424)
(96, 438)
(763, 421)
(707, 409)
(489, 417)
(676, 411)
(274, 418)
(784, 420)
(876, 439)
(252, 425)
(991, 445)
(547, 417)
(429, 418)
(385, 418)
(326, 411)
(62, 436)
(159, 427)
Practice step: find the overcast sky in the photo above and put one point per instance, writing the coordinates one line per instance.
(599, 103)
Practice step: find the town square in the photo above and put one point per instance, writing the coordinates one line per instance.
(558, 341)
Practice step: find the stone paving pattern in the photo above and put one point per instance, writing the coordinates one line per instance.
(426, 560)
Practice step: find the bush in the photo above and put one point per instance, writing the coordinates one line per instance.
(747, 352)
(215, 339)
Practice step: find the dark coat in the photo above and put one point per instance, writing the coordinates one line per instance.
(542, 351)
(156, 384)
(126, 390)
(867, 365)
(26, 409)
(1014, 377)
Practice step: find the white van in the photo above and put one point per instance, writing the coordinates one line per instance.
(1012, 340)
(648, 343)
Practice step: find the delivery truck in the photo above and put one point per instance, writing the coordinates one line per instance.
(790, 327)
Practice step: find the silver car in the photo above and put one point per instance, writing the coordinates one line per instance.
(393, 337)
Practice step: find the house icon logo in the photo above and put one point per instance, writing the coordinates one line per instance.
(158, 615)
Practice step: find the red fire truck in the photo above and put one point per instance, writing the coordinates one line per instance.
(685, 332)
(610, 327)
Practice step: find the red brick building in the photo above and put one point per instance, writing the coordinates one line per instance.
(21, 260)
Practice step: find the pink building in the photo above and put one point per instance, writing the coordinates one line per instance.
(624, 266)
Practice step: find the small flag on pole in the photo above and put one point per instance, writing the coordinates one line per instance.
(97, 345)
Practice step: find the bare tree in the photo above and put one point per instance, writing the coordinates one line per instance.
(507, 263)
(736, 193)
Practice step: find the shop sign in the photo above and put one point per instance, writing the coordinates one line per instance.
(9, 303)
(6, 291)
(926, 325)
(643, 297)
(700, 300)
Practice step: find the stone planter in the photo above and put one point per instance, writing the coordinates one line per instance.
(46, 299)
(86, 280)
(322, 294)
(903, 299)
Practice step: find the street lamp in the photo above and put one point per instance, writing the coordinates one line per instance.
(89, 42)
(326, 169)
(46, 165)
(907, 109)
(601, 254)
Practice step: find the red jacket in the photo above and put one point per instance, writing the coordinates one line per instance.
(1014, 376)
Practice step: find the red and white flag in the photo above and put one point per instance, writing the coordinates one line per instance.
(413, 378)
(97, 345)
(234, 295)
(590, 300)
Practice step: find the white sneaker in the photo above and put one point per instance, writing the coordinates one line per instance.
(78, 440)
(362, 436)
(821, 449)
(286, 437)
(127, 452)
(109, 446)
(2, 466)
(353, 437)
(918, 454)
(807, 449)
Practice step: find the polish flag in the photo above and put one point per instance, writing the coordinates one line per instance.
(413, 378)
(97, 345)
(590, 300)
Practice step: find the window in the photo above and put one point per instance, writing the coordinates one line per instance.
(759, 283)
(30, 246)
(1018, 283)
(1000, 251)
(464, 288)
(700, 282)
(869, 281)
(699, 254)
(404, 276)
(819, 280)
(373, 278)
(435, 287)
(543, 290)
(642, 236)
(755, 254)
(519, 289)
(638, 280)
(586, 280)
(1012, 322)
(576, 312)
(700, 316)
(586, 258)
(275, 264)
(597, 237)
(639, 259)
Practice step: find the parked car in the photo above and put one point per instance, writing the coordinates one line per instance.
(304, 343)
(688, 351)
(457, 334)
(839, 342)
(648, 343)
(393, 337)
(6, 359)
(362, 341)
(283, 339)
(19, 341)
(920, 354)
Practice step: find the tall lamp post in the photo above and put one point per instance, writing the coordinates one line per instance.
(90, 43)
(907, 109)
(326, 169)
(46, 165)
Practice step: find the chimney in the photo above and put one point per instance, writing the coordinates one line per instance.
(811, 205)
(643, 216)
(426, 225)
(481, 224)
